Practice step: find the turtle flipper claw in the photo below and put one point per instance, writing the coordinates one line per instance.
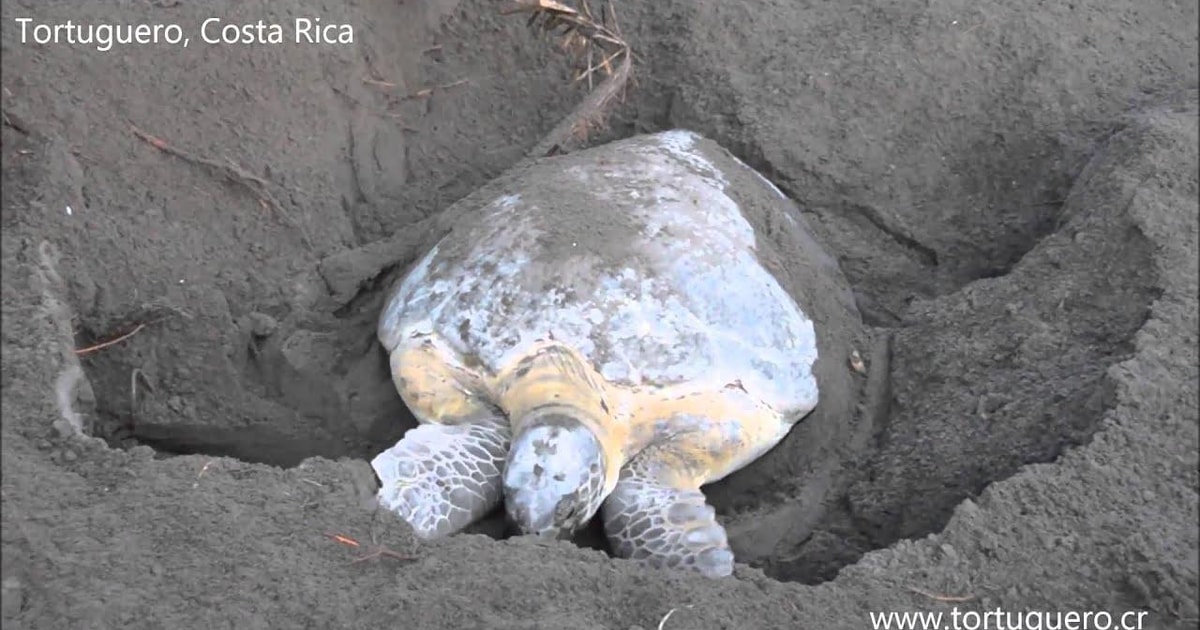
(654, 522)
(441, 478)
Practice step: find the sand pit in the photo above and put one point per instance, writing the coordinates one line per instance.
(1010, 193)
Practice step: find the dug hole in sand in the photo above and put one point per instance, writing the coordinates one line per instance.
(1010, 193)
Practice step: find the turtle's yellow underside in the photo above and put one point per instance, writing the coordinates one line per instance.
(704, 419)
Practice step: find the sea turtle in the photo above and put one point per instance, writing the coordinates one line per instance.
(602, 337)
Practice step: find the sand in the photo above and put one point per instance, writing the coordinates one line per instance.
(1009, 189)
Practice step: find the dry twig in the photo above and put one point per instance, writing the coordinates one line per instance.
(427, 92)
(230, 172)
(597, 47)
(150, 308)
(110, 342)
(380, 551)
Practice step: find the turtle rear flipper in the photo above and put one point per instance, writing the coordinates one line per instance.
(658, 516)
(440, 478)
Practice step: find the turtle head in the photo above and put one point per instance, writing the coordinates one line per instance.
(554, 476)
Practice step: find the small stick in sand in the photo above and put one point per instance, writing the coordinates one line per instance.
(136, 329)
(110, 342)
(378, 83)
(380, 551)
(230, 172)
(427, 92)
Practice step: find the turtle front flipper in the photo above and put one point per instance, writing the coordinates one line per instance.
(440, 478)
(656, 514)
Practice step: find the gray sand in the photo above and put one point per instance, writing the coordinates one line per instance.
(1010, 190)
